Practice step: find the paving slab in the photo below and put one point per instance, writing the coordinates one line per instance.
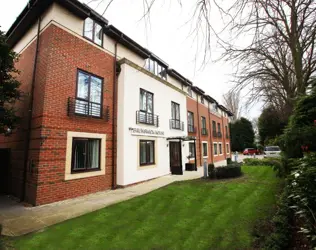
(18, 220)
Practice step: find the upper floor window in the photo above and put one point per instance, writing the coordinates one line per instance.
(214, 126)
(203, 122)
(175, 122)
(89, 94)
(214, 107)
(189, 91)
(156, 68)
(93, 31)
(219, 127)
(190, 122)
(146, 108)
(202, 99)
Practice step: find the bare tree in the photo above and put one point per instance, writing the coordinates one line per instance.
(279, 62)
(232, 102)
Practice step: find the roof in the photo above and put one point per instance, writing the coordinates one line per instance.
(179, 77)
(211, 99)
(198, 90)
(35, 8)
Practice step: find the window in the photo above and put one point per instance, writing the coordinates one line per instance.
(190, 122)
(146, 152)
(227, 134)
(215, 148)
(189, 91)
(89, 94)
(175, 115)
(85, 154)
(156, 68)
(214, 129)
(191, 150)
(220, 148)
(146, 107)
(227, 148)
(202, 99)
(219, 127)
(203, 121)
(93, 31)
(204, 144)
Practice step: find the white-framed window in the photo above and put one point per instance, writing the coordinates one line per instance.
(215, 148)
(85, 155)
(191, 150)
(205, 149)
(227, 148)
(220, 148)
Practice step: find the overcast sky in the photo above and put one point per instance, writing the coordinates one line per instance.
(166, 35)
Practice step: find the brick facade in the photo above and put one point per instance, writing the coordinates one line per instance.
(60, 56)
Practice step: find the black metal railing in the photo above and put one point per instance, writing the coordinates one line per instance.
(219, 134)
(204, 131)
(214, 134)
(147, 118)
(191, 129)
(176, 124)
(79, 107)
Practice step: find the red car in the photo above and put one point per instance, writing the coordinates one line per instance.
(250, 151)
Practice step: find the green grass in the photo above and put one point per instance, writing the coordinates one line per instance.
(196, 214)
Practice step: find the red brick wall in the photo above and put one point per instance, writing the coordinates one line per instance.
(61, 54)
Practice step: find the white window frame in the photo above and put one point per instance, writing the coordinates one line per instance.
(219, 148)
(215, 143)
(70, 136)
(205, 142)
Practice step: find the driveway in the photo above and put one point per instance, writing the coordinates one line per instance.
(18, 220)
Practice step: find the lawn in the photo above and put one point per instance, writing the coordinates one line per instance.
(196, 214)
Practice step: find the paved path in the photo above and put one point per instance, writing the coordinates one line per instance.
(18, 220)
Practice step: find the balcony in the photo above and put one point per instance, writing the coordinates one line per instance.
(79, 107)
(204, 131)
(147, 118)
(191, 129)
(214, 134)
(176, 124)
(219, 134)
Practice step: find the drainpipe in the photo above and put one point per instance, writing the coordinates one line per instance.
(30, 111)
(197, 107)
(209, 125)
(114, 145)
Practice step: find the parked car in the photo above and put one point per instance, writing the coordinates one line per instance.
(272, 151)
(250, 151)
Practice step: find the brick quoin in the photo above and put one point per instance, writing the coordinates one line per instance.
(61, 54)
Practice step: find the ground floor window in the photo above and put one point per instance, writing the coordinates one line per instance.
(220, 148)
(227, 148)
(85, 154)
(215, 148)
(191, 149)
(147, 152)
(204, 144)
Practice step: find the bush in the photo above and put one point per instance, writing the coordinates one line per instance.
(211, 171)
(279, 165)
(229, 161)
(279, 238)
(229, 171)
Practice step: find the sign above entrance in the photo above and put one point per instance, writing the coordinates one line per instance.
(145, 131)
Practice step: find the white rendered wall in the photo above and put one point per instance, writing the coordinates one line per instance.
(130, 82)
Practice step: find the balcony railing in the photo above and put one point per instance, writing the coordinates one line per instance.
(79, 107)
(147, 118)
(176, 124)
(191, 129)
(219, 134)
(214, 134)
(204, 131)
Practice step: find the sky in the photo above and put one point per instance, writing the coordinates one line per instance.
(167, 34)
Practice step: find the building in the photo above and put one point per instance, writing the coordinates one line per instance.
(105, 112)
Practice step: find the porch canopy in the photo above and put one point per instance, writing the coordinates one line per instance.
(186, 138)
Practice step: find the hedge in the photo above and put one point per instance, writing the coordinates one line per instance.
(229, 171)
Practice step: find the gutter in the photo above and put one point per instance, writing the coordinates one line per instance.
(30, 112)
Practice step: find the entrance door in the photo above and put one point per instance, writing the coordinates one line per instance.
(4, 170)
(175, 158)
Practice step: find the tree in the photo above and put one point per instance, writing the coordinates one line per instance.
(270, 124)
(242, 134)
(9, 87)
(233, 103)
(278, 62)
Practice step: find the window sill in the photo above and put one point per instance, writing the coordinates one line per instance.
(204, 157)
(149, 166)
(80, 175)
